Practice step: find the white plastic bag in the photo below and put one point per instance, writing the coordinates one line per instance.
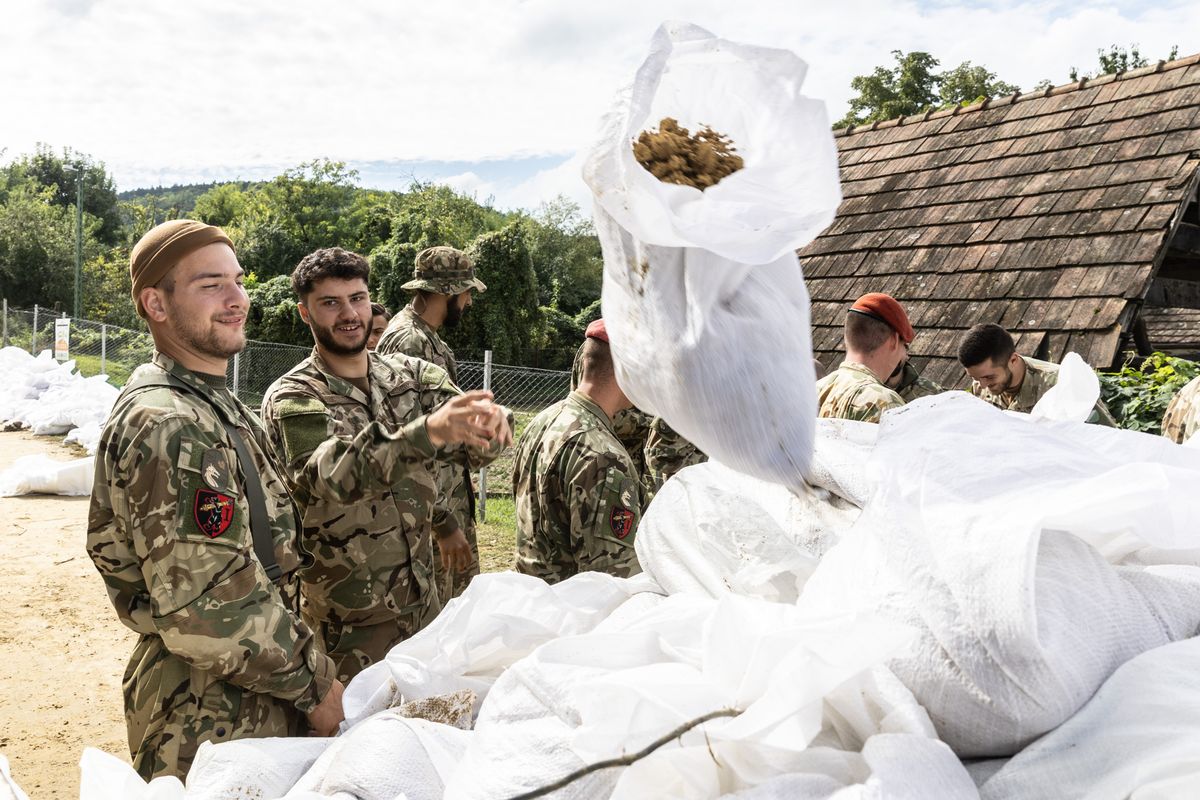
(250, 769)
(9, 790)
(106, 777)
(703, 297)
(1139, 737)
(38, 474)
(986, 532)
(1073, 396)
(712, 531)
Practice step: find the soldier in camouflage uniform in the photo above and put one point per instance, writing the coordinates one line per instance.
(1010, 381)
(443, 281)
(631, 425)
(193, 531)
(1183, 413)
(666, 453)
(911, 384)
(877, 335)
(577, 493)
(359, 450)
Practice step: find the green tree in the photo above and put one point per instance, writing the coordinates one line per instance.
(507, 320)
(273, 316)
(914, 87)
(58, 174)
(37, 246)
(566, 255)
(1119, 59)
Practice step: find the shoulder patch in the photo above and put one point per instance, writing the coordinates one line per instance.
(291, 406)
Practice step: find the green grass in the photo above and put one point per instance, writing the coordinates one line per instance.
(498, 536)
(118, 373)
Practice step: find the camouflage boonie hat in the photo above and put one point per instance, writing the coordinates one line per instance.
(444, 270)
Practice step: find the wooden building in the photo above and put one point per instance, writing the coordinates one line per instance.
(1069, 216)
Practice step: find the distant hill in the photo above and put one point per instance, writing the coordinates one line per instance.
(180, 197)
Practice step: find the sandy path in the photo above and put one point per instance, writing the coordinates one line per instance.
(62, 651)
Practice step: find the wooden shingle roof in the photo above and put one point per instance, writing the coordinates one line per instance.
(1047, 213)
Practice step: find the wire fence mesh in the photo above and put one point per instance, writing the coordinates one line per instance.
(114, 351)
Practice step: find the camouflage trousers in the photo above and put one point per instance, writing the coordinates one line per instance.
(353, 648)
(452, 584)
(172, 707)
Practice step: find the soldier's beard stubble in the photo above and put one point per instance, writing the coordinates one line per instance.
(217, 340)
(325, 337)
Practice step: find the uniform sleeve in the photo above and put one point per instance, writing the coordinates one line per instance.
(210, 600)
(868, 404)
(603, 499)
(338, 468)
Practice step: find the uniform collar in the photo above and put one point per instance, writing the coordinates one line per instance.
(581, 400)
(422, 325)
(379, 379)
(862, 369)
(222, 397)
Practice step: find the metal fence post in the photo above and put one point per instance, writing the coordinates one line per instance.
(103, 348)
(4, 340)
(33, 336)
(487, 387)
(237, 363)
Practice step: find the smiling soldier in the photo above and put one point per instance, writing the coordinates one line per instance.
(359, 434)
(193, 531)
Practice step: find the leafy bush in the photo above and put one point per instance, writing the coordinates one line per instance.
(1138, 396)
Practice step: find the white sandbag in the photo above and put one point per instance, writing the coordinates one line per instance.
(251, 769)
(1073, 397)
(106, 777)
(583, 699)
(499, 619)
(39, 474)
(704, 286)
(711, 530)
(983, 531)
(9, 790)
(1139, 737)
(385, 757)
(86, 436)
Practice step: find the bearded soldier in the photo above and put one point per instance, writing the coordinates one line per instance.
(193, 531)
(443, 286)
(358, 434)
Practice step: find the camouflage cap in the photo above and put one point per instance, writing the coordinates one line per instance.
(444, 270)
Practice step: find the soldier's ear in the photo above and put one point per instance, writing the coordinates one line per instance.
(152, 302)
(303, 309)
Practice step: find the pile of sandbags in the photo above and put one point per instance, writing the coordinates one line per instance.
(48, 398)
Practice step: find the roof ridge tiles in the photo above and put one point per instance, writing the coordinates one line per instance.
(1053, 91)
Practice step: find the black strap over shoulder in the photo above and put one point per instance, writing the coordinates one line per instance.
(260, 523)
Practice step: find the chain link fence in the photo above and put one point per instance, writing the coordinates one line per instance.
(98, 348)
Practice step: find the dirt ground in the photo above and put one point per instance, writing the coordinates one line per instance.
(63, 651)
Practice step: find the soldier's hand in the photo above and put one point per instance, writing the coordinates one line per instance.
(499, 426)
(456, 551)
(464, 419)
(325, 718)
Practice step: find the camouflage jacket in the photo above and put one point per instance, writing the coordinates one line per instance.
(169, 532)
(913, 384)
(853, 392)
(577, 494)
(1183, 413)
(1039, 377)
(631, 425)
(667, 452)
(408, 334)
(361, 470)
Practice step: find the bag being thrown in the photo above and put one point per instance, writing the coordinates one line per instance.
(703, 296)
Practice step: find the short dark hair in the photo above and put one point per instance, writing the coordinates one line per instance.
(985, 341)
(328, 262)
(865, 334)
(597, 361)
(379, 310)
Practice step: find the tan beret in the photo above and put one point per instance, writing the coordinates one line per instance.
(163, 247)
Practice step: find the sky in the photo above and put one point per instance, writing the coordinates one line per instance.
(497, 98)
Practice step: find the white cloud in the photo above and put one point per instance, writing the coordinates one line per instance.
(223, 88)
